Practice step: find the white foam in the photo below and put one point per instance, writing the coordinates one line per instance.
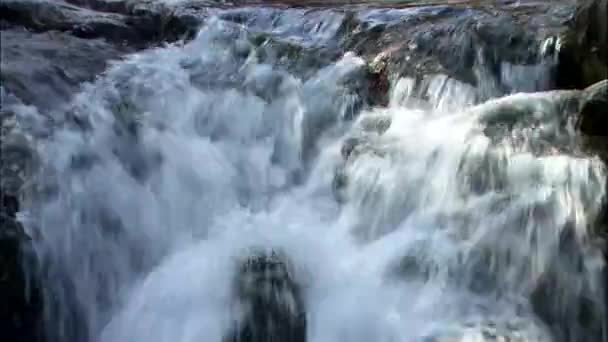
(151, 256)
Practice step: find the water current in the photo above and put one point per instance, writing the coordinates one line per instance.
(404, 223)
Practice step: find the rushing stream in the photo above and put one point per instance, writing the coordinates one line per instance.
(402, 223)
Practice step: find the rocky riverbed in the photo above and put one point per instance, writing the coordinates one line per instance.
(533, 74)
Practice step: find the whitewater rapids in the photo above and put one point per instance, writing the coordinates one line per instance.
(179, 159)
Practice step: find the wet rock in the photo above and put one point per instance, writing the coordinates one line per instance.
(510, 109)
(593, 116)
(113, 6)
(136, 25)
(583, 55)
(378, 123)
(267, 83)
(21, 310)
(509, 119)
(581, 320)
(434, 91)
(18, 160)
(269, 300)
(46, 69)
(363, 141)
(145, 6)
(59, 16)
(17, 156)
(491, 47)
(299, 60)
(591, 122)
(336, 93)
(379, 83)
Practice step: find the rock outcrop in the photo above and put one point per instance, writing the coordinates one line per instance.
(583, 55)
(137, 26)
(51, 47)
(495, 48)
(21, 309)
(593, 119)
(20, 293)
(46, 69)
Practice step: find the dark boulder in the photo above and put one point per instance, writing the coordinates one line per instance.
(21, 309)
(583, 56)
(592, 121)
(593, 116)
(20, 294)
(269, 300)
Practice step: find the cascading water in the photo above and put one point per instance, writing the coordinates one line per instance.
(404, 224)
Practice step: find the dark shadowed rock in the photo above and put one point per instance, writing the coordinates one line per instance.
(593, 117)
(270, 303)
(584, 53)
(21, 309)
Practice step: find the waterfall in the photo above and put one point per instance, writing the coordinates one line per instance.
(441, 218)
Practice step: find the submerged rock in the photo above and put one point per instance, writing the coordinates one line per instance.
(269, 300)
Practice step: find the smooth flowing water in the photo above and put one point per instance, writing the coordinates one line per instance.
(434, 223)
